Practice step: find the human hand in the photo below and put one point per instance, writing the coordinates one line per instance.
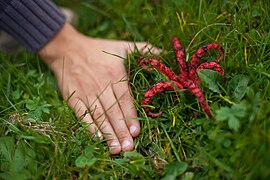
(97, 83)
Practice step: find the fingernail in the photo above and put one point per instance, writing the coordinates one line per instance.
(125, 144)
(114, 145)
(99, 134)
(132, 129)
(159, 50)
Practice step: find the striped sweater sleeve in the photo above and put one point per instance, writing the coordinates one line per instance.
(32, 22)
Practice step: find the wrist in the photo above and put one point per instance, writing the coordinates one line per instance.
(59, 45)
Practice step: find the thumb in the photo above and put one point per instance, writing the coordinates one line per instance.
(143, 47)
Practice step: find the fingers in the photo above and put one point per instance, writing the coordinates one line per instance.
(125, 101)
(105, 126)
(117, 120)
(82, 113)
(106, 118)
(98, 122)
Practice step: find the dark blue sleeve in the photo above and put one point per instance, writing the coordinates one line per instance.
(32, 22)
(3, 4)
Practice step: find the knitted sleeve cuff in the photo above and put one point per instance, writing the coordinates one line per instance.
(33, 23)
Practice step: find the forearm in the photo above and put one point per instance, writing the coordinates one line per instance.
(32, 23)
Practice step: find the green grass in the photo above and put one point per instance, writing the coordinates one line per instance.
(41, 137)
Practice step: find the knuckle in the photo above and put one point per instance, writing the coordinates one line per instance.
(122, 135)
(97, 113)
(125, 99)
(114, 111)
